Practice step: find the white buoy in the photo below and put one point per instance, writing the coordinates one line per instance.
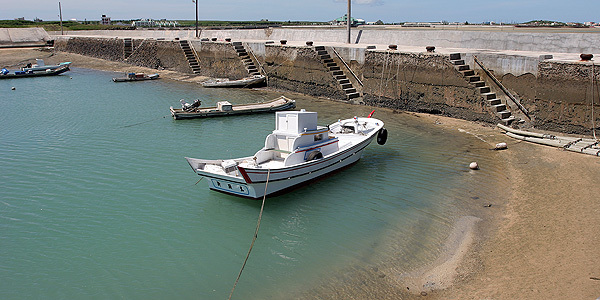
(501, 146)
(13, 88)
(474, 166)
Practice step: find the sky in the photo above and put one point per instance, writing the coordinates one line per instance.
(389, 11)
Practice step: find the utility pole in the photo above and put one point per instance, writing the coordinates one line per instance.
(60, 13)
(196, 1)
(348, 21)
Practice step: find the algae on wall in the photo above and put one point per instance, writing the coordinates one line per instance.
(300, 70)
(560, 97)
(422, 83)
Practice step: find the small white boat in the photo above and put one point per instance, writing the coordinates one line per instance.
(224, 108)
(41, 66)
(298, 151)
(225, 82)
(137, 77)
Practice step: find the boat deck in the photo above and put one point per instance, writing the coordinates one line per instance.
(278, 102)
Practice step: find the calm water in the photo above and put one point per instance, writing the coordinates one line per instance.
(97, 201)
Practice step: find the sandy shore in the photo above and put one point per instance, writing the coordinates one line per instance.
(546, 244)
(13, 58)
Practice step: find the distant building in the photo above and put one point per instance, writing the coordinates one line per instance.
(343, 21)
(154, 23)
(105, 20)
(37, 20)
(20, 19)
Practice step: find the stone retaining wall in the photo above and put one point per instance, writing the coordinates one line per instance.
(558, 95)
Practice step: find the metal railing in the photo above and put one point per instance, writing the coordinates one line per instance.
(347, 67)
(503, 88)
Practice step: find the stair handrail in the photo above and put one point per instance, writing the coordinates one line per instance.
(192, 49)
(134, 48)
(502, 87)
(255, 59)
(347, 67)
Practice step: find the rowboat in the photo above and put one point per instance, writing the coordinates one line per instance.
(224, 108)
(244, 82)
(41, 66)
(136, 77)
(295, 153)
(6, 74)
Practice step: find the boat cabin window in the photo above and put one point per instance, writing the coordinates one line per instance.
(318, 137)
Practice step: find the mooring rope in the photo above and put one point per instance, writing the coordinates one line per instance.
(131, 125)
(593, 121)
(255, 234)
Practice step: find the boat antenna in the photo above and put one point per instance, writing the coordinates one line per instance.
(255, 234)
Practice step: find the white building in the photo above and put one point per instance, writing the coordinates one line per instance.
(105, 20)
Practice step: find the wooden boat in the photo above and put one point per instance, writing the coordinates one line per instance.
(6, 74)
(41, 66)
(136, 77)
(244, 82)
(298, 151)
(224, 108)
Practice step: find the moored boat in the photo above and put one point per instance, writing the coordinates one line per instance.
(6, 74)
(137, 77)
(224, 108)
(41, 66)
(298, 151)
(244, 82)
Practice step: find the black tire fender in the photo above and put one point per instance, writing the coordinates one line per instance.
(382, 136)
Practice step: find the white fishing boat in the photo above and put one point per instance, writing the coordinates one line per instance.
(298, 151)
(225, 82)
(41, 66)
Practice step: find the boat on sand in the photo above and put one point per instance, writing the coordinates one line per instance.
(295, 153)
(225, 82)
(224, 108)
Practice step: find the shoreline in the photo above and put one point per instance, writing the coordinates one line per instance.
(542, 245)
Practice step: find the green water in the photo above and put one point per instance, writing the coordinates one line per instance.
(98, 202)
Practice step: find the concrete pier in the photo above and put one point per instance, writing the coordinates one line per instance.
(542, 68)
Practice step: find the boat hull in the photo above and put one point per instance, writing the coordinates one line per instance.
(257, 183)
(246, 82)
(179, 114)
(126, 79)
(57, 71)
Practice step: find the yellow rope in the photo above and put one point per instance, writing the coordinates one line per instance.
(255, 234)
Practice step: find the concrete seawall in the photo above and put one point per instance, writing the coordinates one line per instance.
(556, 91)
(23, 36)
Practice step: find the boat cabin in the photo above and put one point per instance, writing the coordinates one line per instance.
(296, 139)
(224, 106)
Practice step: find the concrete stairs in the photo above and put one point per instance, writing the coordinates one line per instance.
(500, 109)
(246, 59)
(128, 48)
(337, 73)
(190, 54)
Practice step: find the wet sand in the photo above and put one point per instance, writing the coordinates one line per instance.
(545, 239)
